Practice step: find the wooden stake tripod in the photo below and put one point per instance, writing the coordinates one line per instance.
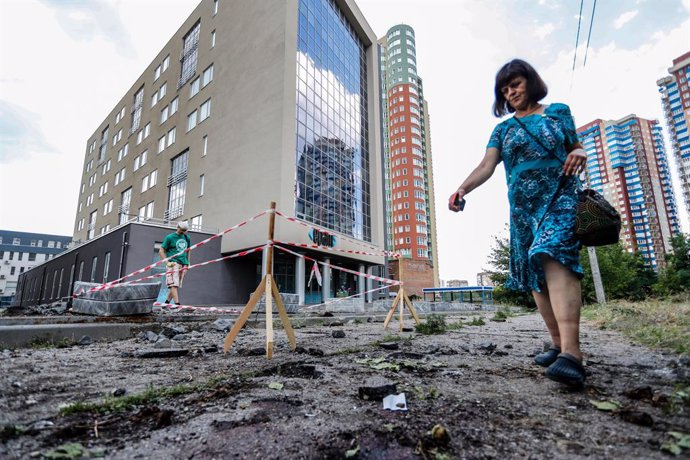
(267, 286)
(399, 300)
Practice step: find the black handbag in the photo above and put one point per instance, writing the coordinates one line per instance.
(597, 221)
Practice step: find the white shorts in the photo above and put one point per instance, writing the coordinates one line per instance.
(173, 275)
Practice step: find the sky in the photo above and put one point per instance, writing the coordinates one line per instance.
(61, 79)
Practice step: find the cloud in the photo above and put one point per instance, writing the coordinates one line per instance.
(686, 5)
(85, 20)
(20, 134)
(624, 18)
(544, 30)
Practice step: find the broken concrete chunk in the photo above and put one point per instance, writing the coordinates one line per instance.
(172, 331)
(223, 324)
(338, 334)
(377, 390)
(389, 345)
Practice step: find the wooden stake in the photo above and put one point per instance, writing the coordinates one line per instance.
(284, 318)
(401, 300)
(253, 300)
(269, 316)
(266, 286)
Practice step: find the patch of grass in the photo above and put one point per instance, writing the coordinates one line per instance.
(654, 323)
(502, 314)
(433, 324)
(151, 395)
(477, 321)
(39, 343)
(455, 326)
(11, 431)
(347, 351)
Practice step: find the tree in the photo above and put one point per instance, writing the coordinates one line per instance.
(675, 277)
(624, 275)
(499, 260)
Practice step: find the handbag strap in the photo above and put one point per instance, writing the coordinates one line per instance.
(551, 151)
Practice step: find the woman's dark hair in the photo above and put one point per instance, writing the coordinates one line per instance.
(536, 88)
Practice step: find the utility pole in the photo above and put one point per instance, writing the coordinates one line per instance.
(596, 275)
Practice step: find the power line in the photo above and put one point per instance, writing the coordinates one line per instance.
(589, 35)
(577, 37)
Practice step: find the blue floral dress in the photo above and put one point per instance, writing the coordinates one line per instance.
(538, 225)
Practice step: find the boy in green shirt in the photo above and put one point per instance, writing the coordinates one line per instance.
(176, 243)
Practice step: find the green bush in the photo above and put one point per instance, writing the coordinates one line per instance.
(433, 324)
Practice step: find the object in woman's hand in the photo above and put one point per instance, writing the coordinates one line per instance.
(458, 202)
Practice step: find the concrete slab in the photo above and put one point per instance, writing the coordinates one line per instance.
(120, 308)
(120, 292)
(24, 335)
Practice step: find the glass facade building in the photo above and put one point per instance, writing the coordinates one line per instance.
(332, 183)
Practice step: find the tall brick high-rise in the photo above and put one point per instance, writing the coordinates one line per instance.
(409, 183)
(675, 97)
(626, 162)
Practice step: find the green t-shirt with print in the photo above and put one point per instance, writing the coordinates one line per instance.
(174, 244)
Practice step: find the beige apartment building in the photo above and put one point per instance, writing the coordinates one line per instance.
(251, 102)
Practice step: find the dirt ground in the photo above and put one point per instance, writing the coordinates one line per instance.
(478, 382)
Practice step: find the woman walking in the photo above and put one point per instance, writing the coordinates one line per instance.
(542, 158)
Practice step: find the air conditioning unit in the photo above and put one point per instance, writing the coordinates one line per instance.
(7, 262)
(2, 277)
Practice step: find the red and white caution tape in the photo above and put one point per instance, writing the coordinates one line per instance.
(322, 230)
(342, 269)
(208, 262)
(338, 299)
(175, 307)
(149, 267)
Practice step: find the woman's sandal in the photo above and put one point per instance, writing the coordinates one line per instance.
(568, 370)
(548, 357)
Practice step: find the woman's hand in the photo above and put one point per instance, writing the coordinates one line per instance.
(575, 162)
(456, 197)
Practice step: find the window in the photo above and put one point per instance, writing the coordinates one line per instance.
(163, 91)
(11, 255)
(215, 7)
(91, 230)
(177, 185)
(157, 73)
(83, 187)
(205, 149)
(16, 241)
(106, 263)
(213, 39)
(104, 144)
(140, 160)
(146, 211)
(20, 255)
(149, 181)
(119, 177)
(81, 271)
(120, 115)
(94, 262)
(202, 179)
(207, 76)
(106, 167)
(161, 144)
(122, 152)
(125, 200)
(164, 115)
(194, 87)
(108, 207)
(147, 130)
(166, 63)
(140, 137)
(190, 52)
(89, 200)
(173, 106)
(191, 120)
(154, 99)
(195, 223)
(171, 137)
(103, 190)
(12, 269)
(205, 110)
